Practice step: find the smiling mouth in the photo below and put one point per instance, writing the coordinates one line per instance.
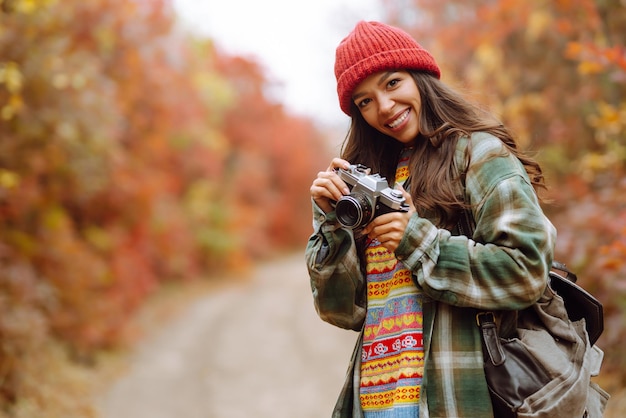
(399, 120)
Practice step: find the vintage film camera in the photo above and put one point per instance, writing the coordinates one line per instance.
(370, 196)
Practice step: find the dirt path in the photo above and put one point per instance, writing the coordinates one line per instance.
(255, 350)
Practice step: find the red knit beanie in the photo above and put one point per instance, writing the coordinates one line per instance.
(373, 47)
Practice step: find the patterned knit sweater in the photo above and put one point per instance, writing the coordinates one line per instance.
(393, 354)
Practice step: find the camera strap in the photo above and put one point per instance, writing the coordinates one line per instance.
(406, 184)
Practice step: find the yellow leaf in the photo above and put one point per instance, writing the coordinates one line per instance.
(489, 57)
(538, 22)
(11, 76)
(12, 107)
(31, 6)
(589, 68)
(7, 112)
(26, 6)
(99, 238)
(9, 179)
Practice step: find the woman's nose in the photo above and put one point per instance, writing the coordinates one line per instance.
(386, 104)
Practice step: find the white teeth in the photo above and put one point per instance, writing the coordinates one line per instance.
(398, 121)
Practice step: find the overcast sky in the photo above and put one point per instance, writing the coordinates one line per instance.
(295, 41)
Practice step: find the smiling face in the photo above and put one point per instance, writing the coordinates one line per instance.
(389, 101)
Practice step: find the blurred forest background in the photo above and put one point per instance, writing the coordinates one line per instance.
(133, 155)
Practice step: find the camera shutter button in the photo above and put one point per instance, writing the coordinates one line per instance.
(396, 193)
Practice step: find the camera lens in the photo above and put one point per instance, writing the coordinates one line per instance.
(353, 211)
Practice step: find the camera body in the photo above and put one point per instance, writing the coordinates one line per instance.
(370, 196)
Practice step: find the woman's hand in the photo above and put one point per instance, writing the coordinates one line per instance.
(328, 187)
(389, 228)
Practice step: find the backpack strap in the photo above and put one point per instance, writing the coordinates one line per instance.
(556, 265)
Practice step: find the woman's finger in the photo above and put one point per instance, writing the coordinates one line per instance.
(407, 197)
(338, 163)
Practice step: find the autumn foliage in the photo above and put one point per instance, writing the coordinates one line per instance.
(130, 154)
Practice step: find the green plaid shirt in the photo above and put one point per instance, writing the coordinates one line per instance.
(503, 266)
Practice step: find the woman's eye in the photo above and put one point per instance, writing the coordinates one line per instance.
(363, 102)
(393, 83)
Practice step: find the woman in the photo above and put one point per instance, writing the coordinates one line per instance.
(409, 281)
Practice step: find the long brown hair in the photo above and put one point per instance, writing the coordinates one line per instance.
(445, 116)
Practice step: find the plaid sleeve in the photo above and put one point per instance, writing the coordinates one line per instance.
(337, 283)
(505, 264)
